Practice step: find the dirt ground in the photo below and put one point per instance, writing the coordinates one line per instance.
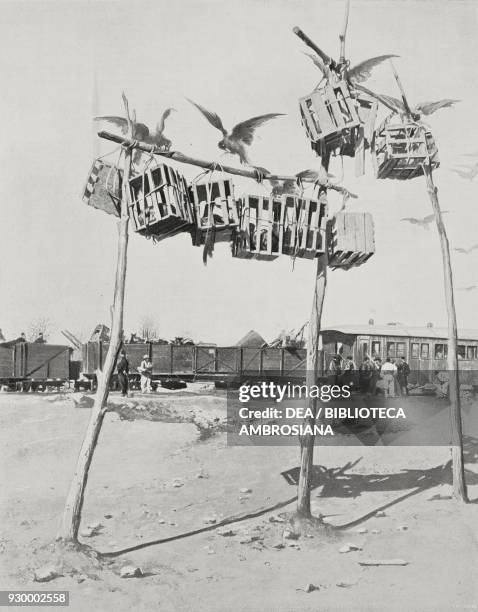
(154, 479)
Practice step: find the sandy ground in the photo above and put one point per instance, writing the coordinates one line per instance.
(154, 479)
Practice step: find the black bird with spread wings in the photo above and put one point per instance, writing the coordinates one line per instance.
(466, 251)
(358, 73)
(398, 106)
(241, 135)
(425, 222)
(141, 131)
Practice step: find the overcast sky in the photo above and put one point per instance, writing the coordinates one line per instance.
(240, 59)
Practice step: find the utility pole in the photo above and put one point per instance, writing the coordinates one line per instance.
(72, 513)
(458, 467)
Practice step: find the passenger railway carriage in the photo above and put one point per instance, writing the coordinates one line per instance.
(424, 348)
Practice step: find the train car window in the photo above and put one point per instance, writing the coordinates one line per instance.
(415, 350)
(441, 351)
(401, 349)
(376, 349)
(461, 351)
(425, 350)
(391, 350)
(364, 349)
(471, 352)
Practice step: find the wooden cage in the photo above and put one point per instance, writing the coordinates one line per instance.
(159, 202)
(330, 118)
(351, 240)
(260, 231)
(214, 208)
(400, 148)
(304, 227)
(103, 187)
(287, 225)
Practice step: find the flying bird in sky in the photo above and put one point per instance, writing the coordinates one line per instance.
(398, 106)
(241, 135)
(470, 288)
(357, 74)
(469, 173)
(141, 131)
(425, 222)
(466, 251)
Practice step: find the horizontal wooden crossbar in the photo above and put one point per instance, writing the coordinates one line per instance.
(185, 159)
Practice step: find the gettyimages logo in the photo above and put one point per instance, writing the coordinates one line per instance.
(278, 413)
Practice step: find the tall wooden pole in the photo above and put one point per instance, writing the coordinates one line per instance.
(68, 532)
(313, 343)
(458, 468)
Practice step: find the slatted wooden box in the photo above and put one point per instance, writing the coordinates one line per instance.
(260, 232)
(329, 116)
(401, 147)
(159, 202)
(351, 240)
(304, 224)
(214, 208)
(103, 187)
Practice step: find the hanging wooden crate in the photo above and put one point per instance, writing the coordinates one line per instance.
(329, 116)
(259, 234)
(350, 239)
(214, 208)
(401, 146)
(103, 187)
(304, 227)
(159, 202)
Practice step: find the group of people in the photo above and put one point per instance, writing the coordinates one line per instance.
(40, 339)
(145, 369)
(372, 375)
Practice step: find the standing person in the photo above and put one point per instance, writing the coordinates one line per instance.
(334, 370)
(22, 338)
(348, 377)
(123, 372)
(389, 372)
(2, 337)
(146, 371)
(403, 370)
(377, 366)
(366, 372)
(40, 339)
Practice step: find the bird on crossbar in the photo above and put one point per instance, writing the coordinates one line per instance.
(425, 222)
(142, 132)
(241, 135)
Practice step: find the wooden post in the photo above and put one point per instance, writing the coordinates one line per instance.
(307, 442)
(72, 513)
(459, 485)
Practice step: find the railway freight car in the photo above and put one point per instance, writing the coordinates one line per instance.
(191, 362)
(26, 365)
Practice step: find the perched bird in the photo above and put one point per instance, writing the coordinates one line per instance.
(398, 106)
(357, 74)
(469, 173)
(141, 131)
(425, 222)
(290, 186)
(470, 288)
(466, 251)
(242, 134)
